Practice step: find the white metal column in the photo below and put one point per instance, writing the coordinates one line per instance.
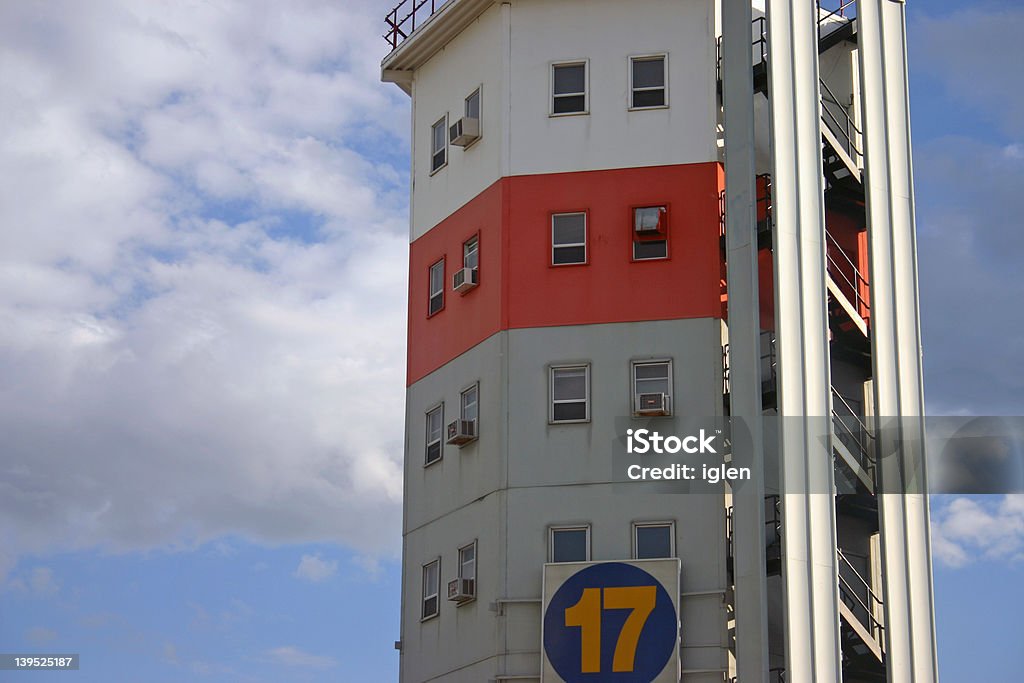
(744, 345)
(811, 593)
(905, 534)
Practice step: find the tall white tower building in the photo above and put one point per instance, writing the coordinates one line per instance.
(631, 215)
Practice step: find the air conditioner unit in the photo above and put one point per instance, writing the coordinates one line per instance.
(464, 279)
(649, 220)
(652, 404)
(461, 590)
(461, 432)
(464, 131)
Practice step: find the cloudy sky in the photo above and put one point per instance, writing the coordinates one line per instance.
(203, 220)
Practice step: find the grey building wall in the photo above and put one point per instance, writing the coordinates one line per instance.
(524, 475)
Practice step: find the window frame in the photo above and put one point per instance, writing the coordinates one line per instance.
(585, 63)
(555, 528)
(462, 562)
(431, 294)
(633, 365)
(443, 122)
(552, 371)
(572, 245)
(475, 238)
(436, 595)
(661, 237)
(671, 524)
(474, 387)
(427, 462)
(664, 87)
(479, 93)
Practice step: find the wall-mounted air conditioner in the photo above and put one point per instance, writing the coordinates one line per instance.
(652, 404)
(464, 279)
(461, 590)
(461, 432)
(649, 220)
(464, 131)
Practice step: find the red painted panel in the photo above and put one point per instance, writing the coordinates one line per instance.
(612, 287)
(466, 319)
(520, 288)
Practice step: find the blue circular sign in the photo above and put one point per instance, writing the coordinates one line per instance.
(611, 622)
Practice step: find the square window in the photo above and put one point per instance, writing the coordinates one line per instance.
(439, 144)
(652, 388)
(471, 253)
(431, 589)
(473, 105)
(436, 290)
(650, 233)
(568, 238)
(570, 393)
(569, 88)
(569, 544)
(470, 410)
(653, 540)
(435, 430)
(648, 79)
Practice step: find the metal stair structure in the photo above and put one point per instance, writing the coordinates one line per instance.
(849, 309)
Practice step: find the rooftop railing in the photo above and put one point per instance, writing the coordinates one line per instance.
(403, 19)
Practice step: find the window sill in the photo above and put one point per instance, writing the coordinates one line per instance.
(553, 115)
(432, 462)
(439, 169)
(654, 108)
(433, 616)
(555, 423)
(645, 260)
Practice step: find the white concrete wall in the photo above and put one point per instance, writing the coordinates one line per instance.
(607, 33)
(539, 32)
(474, 59)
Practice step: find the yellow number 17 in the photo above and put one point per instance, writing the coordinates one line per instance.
(587, 615)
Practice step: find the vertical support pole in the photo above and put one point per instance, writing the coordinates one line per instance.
(810, 573)
(896, 339)
(744, 345)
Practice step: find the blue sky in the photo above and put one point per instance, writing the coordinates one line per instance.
(199, 199)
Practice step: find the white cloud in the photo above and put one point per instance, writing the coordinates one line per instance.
(293, 656)
(313, 568)
(39, 582)
(202, 276)
(966, 530)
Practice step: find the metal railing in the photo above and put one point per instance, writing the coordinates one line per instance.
(401, 21)
(839, 121)
(859, 596)
(759, 39)
(848, 277)
(849, 428)
(843, 9)
(769, 364)
(764, 199)
(772, 527)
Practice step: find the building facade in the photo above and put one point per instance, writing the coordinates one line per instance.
(569, 281)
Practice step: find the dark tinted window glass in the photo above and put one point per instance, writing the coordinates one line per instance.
(569, 545)
(648, 98)
(653, 542)
(650, 249)
(570, 79)
(649, 73)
